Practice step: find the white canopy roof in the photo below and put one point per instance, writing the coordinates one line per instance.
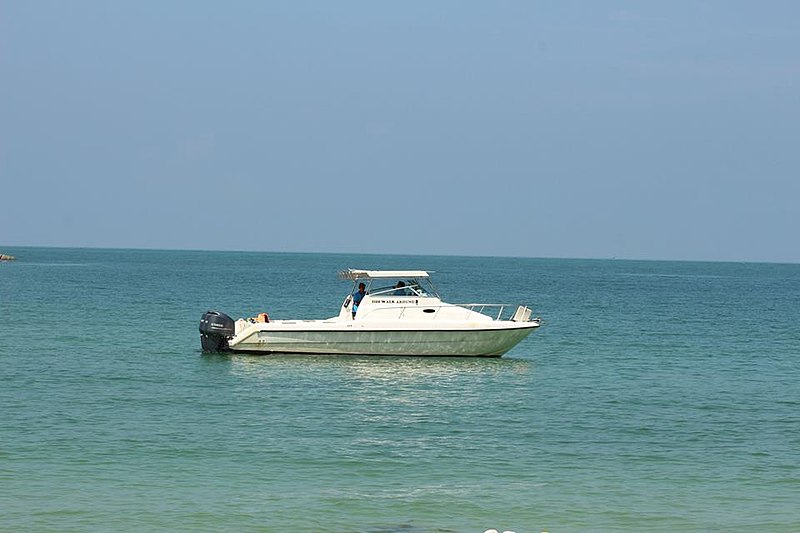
(353, 274)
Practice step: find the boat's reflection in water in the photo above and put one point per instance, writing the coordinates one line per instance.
(376, 369)
(379, 393)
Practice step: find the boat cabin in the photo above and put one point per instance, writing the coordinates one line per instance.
(395, 294)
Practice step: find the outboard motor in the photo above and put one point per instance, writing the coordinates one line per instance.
(215, 330)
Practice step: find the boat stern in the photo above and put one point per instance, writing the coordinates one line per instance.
(215, 330)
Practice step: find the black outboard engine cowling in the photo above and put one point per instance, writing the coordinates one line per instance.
(215, 330)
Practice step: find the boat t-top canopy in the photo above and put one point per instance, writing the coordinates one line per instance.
(354, 274)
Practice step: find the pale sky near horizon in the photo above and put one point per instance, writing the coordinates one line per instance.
(642, 130)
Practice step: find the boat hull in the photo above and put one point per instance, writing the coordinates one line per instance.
(473, 342)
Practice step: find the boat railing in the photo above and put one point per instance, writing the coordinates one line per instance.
(487, 309)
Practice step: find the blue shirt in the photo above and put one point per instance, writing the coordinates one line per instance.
(357, 297)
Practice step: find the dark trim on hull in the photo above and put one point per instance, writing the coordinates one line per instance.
(362, 330)
(440, 356)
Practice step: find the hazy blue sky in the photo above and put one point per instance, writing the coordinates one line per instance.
(663, 130)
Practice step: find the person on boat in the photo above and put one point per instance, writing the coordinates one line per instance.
(400, 289)
(358, 296)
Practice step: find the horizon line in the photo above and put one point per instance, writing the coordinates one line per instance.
(454, 255)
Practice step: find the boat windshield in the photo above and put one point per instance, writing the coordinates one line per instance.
(400, 287)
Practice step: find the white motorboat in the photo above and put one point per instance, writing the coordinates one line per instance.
(400, 313)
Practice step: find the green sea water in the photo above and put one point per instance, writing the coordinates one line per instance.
(658, 396)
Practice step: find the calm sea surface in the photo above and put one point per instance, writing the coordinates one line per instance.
(658, 396)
